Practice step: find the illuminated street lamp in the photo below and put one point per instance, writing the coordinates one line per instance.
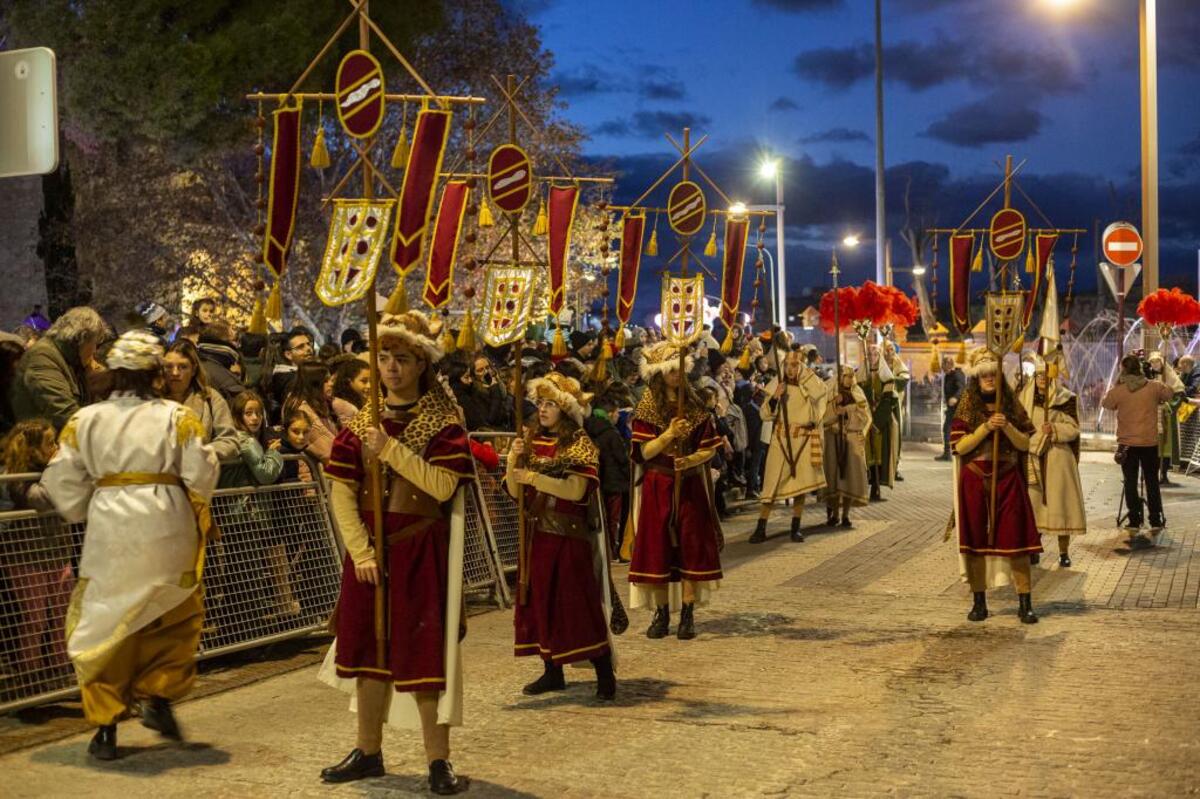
(770, 169)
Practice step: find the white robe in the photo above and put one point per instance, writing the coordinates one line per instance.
(1062, 512)
(141, 550)
(805, 406)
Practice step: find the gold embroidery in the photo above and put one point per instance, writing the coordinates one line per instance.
(432, 414)
(579, 452)
(647, 410)
(188, 427)
(70, 433)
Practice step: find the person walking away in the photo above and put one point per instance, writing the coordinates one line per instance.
(953, 383)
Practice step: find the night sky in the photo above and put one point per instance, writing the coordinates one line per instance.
(967, 81)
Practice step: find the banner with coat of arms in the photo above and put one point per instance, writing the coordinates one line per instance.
(682, 309)
(357, 233)
(507, 304)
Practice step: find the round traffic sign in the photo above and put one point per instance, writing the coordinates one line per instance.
(360, 94)
(510, 178)
(1006, 234)
(1122, 244)
(686, 208)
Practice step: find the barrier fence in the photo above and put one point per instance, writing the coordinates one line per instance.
(273, 575)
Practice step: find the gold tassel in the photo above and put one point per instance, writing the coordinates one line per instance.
(619, 341)
(258, 319)
(466, 335)
(541, 224)
(1030, 263)
(447, 340)
(1018, 344)
(962, 352)
(710, 249)
(558, 348)
(744, 361)
(320, 153)
(485, 214)
(600, 372)
(727, 344)
(398, 301)
(935, 359)
(652, 247)
(977, 261)
(400, 151)
(274, 310)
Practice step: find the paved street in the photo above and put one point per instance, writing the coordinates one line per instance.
(843, 666)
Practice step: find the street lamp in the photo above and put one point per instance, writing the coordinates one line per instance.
(850, 241)
(770, 169)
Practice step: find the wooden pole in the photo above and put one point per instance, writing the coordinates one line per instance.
(514, 220)
(839, 452)
(1008, 172)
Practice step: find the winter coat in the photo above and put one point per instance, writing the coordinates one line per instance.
(47, 384)
(217, 358)
(614, 454)
(214, 412)
(254, 465)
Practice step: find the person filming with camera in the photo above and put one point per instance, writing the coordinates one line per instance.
(1135, 399)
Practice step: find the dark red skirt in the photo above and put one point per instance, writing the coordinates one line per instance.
(417, 579)
(1016, 526)
(564, 619)
(654, 559)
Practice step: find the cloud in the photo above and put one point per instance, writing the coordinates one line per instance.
(798, 6)
(835, 135)
(652, 124)
(835, 67)
(999, 118)
(662, 89)
(783, 104)
(585, 80)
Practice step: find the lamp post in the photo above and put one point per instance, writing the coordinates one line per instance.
(769, 170)
(880, 211)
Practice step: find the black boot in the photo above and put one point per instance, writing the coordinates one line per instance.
(355, 766)
(606, 680)
(1025, 609)
(979, 610)
(157, 716)
(104, 743)
(760, 532)
(660, 625)
(442, 780)
(797, 536)
(1035, 558)
(945, 456)
(551, 680)
(687, 626)
(830, 516)
(846, 521)
(1064, 560)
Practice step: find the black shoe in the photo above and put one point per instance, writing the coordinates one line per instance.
(1064, 560)
(442, 780)
(945, 456)
(660, 625)
(797, 536)
(687, 626)
(1157, 522)
(1025, 609)
(1035, 558)
(846, 522)
(830, 517)
(157, 716)
(551, 680)
(898, 478)
(606, 680)
(104, 743)
(760, 532)
(751, 494)
(979, 610)
(875, 495)
(355, 766)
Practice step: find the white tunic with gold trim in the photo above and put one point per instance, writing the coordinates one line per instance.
(805, 412)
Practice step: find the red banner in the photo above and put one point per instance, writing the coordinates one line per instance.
(731, 277)
(633, 228)
(284, 189)
(443, 249)
(960, 282)
(416, 192)
(1045, 245)
(560, 213)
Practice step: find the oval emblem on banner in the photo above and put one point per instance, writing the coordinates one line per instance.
(510, 178)
(686, 208)
(1006, 234)
(360, 94)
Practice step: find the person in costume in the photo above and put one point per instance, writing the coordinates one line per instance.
(1055, 490)
(795, 406)
(1168, 418)
(883, 441)
(422, 449)
(562, 620)
(993, 556)
(676, 548)
(136, 467)
(900, 380)
(847, 420)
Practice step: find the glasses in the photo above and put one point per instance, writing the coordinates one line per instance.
(547, 404)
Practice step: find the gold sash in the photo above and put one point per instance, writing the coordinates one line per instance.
(200, 509)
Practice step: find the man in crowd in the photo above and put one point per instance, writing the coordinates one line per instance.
(51, 380)
(204, 311)
(297, 348)
(953, 383)
(219, 356)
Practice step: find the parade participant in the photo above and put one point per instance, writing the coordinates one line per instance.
(1168, 420)
(424, 453)
(900, 380)
(795, 407)
(993, 556)
(678, 537)
(562, 619)
(847, 420)
(1055, 491)
(136, 468)
(883, 441)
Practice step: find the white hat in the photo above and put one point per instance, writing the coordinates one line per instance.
(413, 328)
(661, 358)
(563, 391)
(136, 350)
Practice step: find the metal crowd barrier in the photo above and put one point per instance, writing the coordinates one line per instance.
(1189, 443)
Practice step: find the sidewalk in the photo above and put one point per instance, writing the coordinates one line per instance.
(843, 666)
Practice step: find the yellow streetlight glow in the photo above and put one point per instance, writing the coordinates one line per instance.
(918, 270)
(1061, 5)
(768, 168)
(850, 241)
(737, 209)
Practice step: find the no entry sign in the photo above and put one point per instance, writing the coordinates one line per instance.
(1122, 244)
(1006, 234)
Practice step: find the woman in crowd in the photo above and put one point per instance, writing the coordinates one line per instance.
(257, 462)
(351, 387)
(186, 384)
(311, 393)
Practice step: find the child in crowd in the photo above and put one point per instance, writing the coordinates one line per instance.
(258, 463)
(296, 429)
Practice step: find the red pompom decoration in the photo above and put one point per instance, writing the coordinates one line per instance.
(1169, 307)
(847, 308)
(902, 311)
(873, 303)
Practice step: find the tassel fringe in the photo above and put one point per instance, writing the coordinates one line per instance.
(466, 334)
(619, 341)
(710, 249)
(542, 224)
(652, 247)
(274, 309)
(320, 153)
(485, 214)
(258, 319)
(744, 361)
(727, 343)
(962, 352)
(558, 347)
(398, 300)
(400, 152)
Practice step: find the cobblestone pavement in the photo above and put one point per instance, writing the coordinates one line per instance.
(843, 666)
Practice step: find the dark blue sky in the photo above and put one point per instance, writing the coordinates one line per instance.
(967, 82)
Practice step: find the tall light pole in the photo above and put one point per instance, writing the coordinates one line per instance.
(770, 170)
(880, 211)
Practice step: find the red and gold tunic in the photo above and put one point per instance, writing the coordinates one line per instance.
(687, 550)
(417, 530)
(563, 619)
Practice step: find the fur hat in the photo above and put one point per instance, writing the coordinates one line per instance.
(136, 350)
(563, 391)
(981, 361)
(413, 328)
(661, 358)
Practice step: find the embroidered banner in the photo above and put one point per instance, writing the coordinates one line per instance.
(1044, 245)
(416, 192)
(443, 250)
(682, 309)
(360, 93)
(507, 303)
(356, 235)
(284, 188)
(633, 228)
(560, 213)
(1005, 309)
(960, 282)
(736, 230)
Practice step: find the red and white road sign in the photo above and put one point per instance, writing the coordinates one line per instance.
(1122, 244)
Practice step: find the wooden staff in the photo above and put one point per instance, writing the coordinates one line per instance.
(1007, 186)
(840, 446)
(1051, 374)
